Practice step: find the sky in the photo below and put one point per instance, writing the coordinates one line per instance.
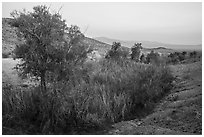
(169, 22)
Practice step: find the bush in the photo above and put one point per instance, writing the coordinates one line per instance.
(111, 92)
(177, 57)
(33, 113)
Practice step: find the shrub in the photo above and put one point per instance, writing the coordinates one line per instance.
(33, 113)
(111, 92)
(122, 89)
(177, 57)
(118, 90)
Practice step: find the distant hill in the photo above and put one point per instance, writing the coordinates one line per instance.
(10, 39)
(101, 47)
(150, 44)
(100, 44)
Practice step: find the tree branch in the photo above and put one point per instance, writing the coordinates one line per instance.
(34, 34)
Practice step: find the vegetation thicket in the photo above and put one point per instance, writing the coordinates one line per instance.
(182, 57)
(46, 49)
(74, 95)
(116, 52)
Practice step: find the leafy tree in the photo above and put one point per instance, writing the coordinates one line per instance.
(48, 44)
(114, 51)
(136, 49)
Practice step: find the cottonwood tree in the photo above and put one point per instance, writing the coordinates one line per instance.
(48, 44)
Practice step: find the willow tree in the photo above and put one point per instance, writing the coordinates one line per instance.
(45, 46)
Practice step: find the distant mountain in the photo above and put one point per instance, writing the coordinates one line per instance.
(150, 44)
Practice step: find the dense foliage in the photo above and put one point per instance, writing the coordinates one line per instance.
(79, 95)
(116, 52)
(108, 91)
(49, 47)
(135, 52)
(182, 57)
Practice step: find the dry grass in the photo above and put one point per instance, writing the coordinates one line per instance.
(110, 91)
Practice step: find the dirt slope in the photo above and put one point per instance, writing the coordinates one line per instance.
(9, 37)
(179, 113)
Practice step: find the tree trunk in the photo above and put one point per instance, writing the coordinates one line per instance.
(42, 82)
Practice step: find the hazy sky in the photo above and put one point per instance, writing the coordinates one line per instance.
(176, 23)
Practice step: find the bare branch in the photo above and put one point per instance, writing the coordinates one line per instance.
(60, 9)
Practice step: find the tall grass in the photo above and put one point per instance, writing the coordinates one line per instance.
(111, 91)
